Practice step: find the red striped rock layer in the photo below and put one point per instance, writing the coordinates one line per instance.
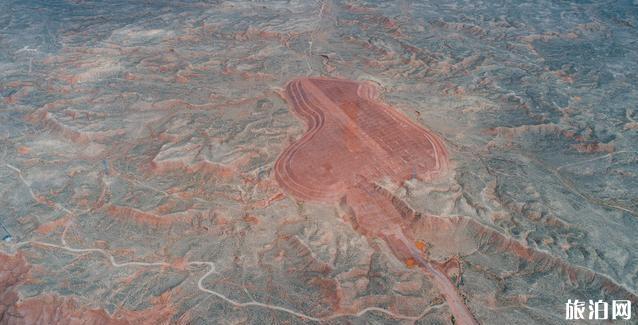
(351, 137)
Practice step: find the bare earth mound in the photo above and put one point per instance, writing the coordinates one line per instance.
(351, 137)
(351, 142)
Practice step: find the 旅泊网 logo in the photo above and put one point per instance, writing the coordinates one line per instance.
(597, 310)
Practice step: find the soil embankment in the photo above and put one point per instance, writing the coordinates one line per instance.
(353, 141)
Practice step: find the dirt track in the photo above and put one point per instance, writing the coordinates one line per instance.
(351, 142)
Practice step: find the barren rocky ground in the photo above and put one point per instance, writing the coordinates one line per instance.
(138, 143)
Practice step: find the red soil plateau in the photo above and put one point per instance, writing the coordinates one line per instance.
(352, 142)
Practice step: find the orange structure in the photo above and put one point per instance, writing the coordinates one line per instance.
(410, 263)
(420, 245)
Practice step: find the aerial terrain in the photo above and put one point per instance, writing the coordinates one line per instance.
(316, 162)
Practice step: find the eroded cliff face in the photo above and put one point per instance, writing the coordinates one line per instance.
(51, 308)
(44, 309)
(13, 272)
(138, 150)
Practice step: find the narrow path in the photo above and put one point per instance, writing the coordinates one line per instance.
(457, 305)
(235, 303)
(65, 246)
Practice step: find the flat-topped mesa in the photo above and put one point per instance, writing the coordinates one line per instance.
(350, 137)
(352, 142)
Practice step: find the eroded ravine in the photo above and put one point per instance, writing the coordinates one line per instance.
(353, 141)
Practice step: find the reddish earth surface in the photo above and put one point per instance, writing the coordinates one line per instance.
(351, 142)
(352, 138)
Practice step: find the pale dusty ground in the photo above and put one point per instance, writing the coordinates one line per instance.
(138, 141)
